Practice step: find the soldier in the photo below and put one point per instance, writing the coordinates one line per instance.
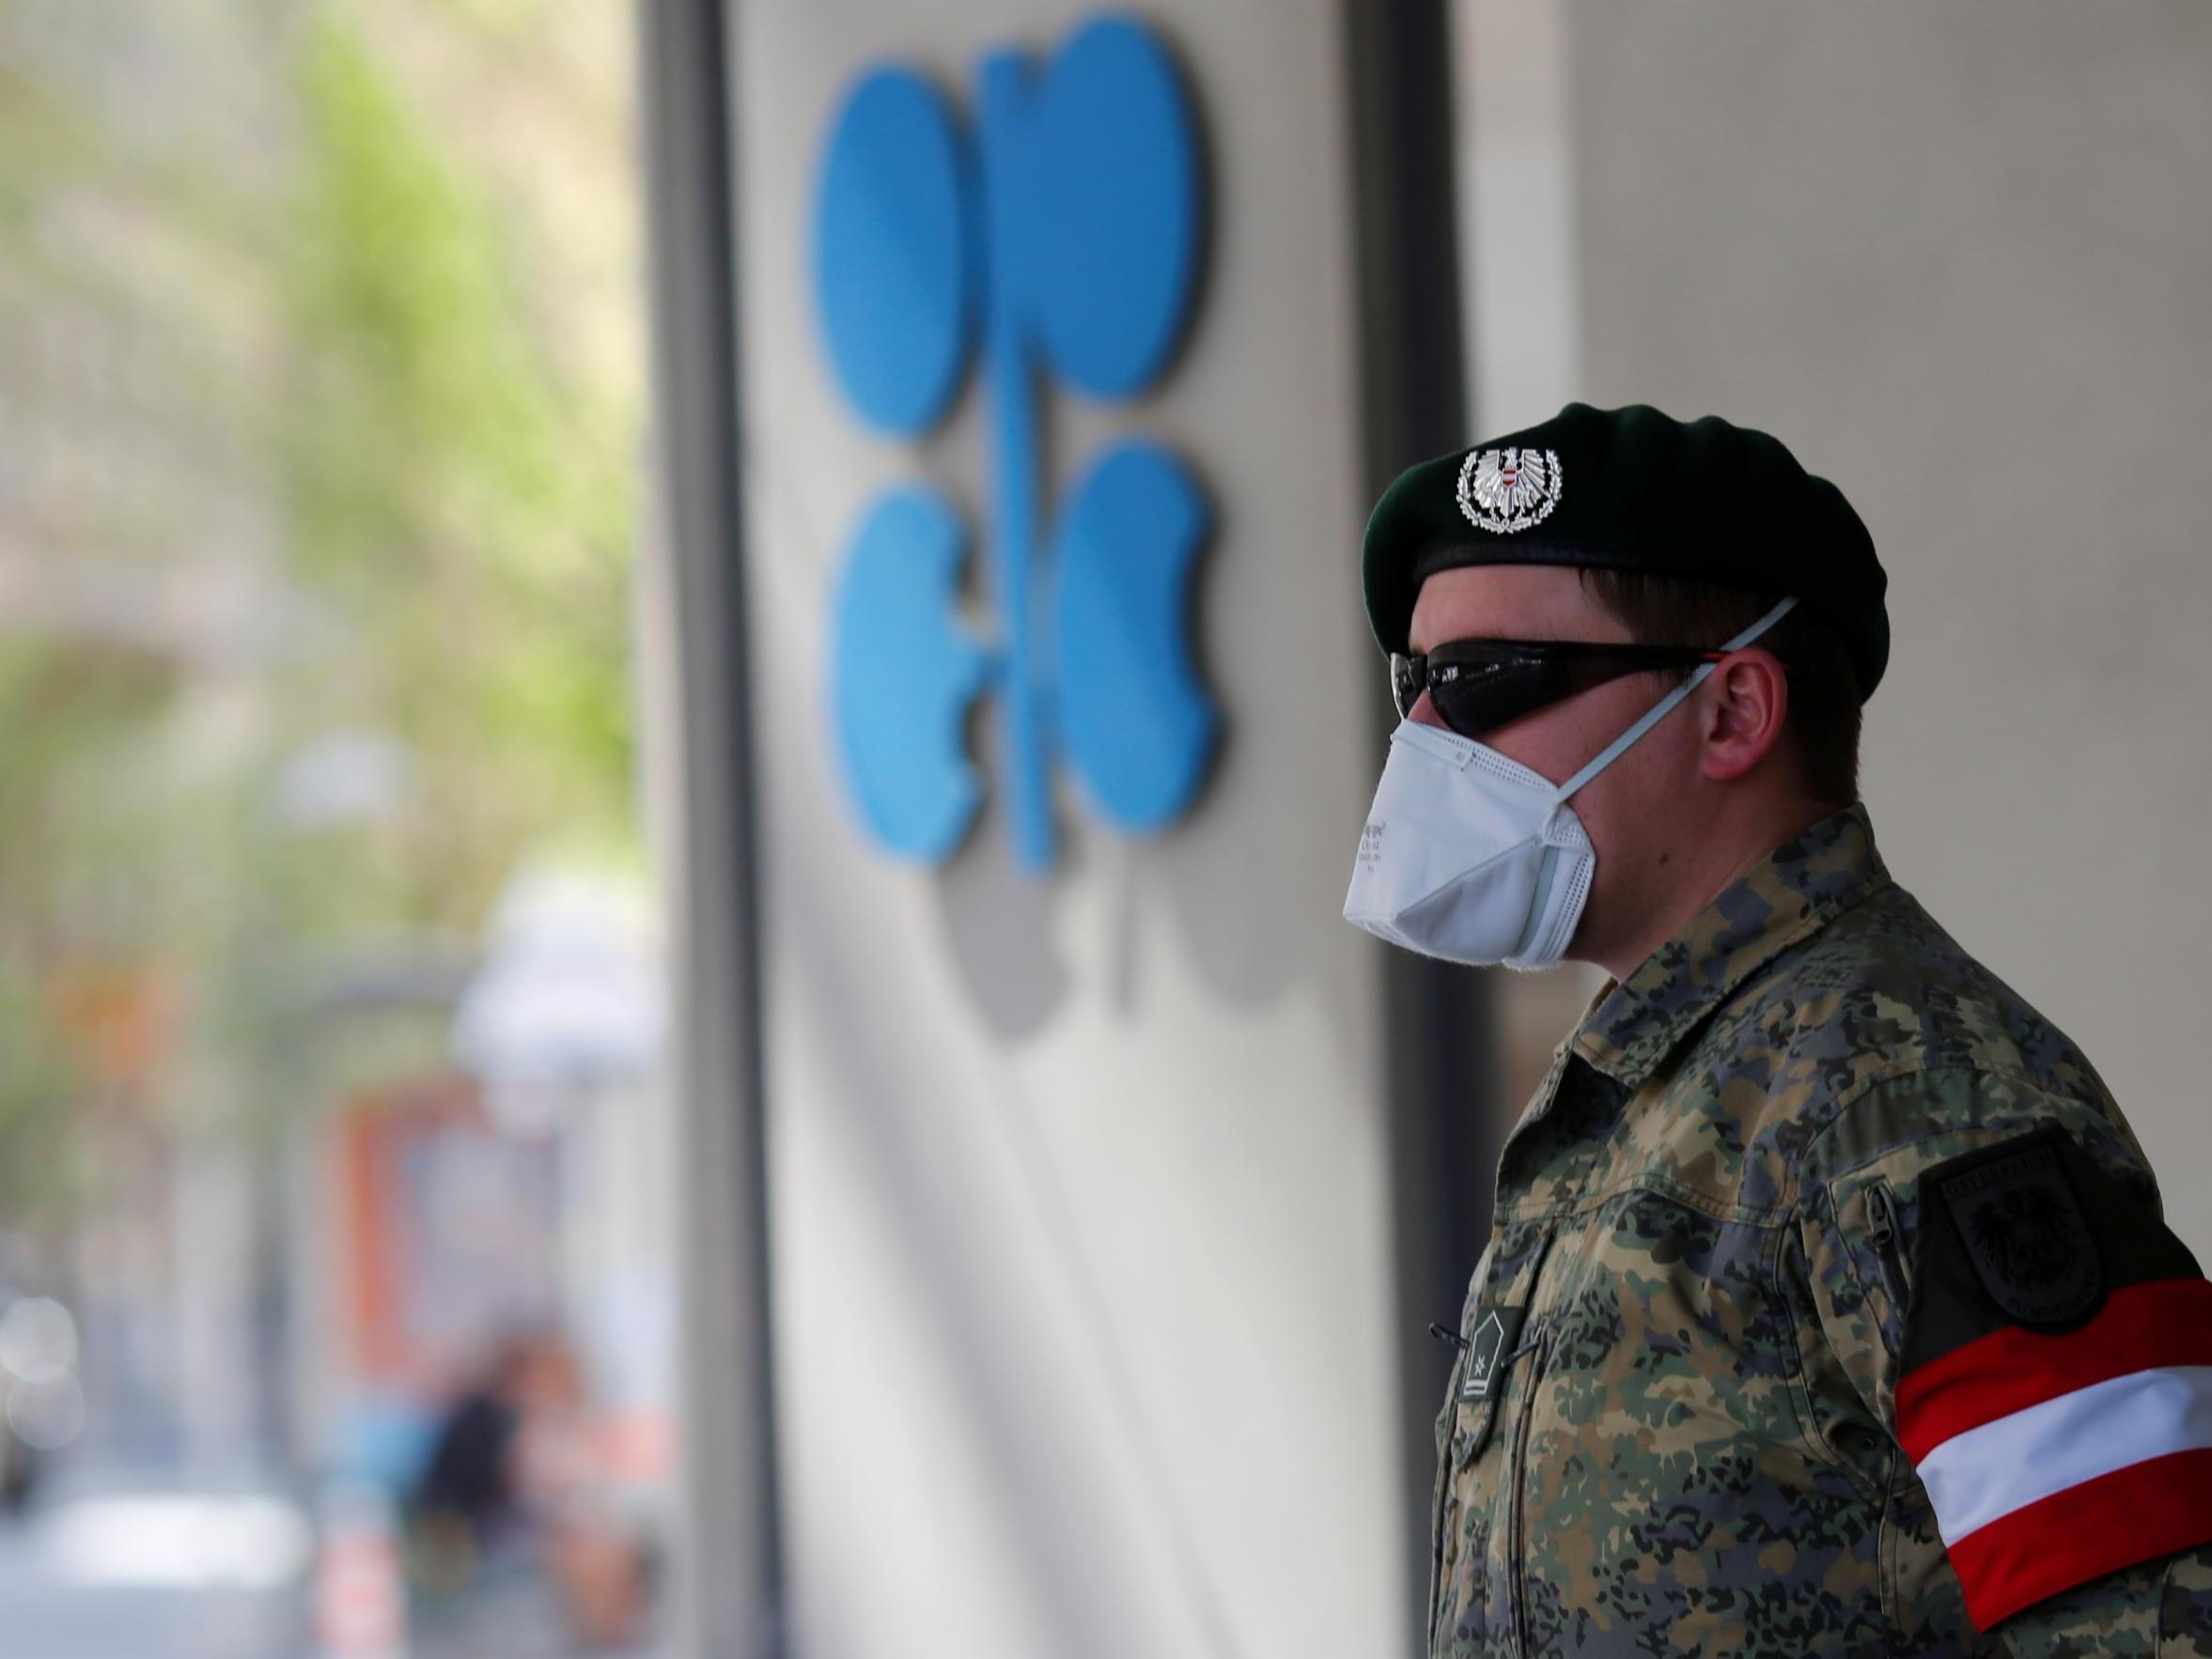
(1827, 1308)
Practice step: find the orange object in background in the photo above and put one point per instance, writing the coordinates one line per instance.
(120, 1019)
(446, 1230)
(360, 1583)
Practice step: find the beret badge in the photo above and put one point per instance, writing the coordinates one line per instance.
(1508, 490)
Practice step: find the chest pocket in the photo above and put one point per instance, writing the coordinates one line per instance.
(1500, 1328)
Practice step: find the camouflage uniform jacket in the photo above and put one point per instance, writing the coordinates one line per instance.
(1812, 1218)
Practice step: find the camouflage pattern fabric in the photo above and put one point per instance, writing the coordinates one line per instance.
(1707, 1225)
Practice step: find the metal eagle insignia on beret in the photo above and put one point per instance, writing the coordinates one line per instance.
(1508, 490)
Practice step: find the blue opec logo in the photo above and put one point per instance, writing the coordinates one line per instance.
(1062, 235)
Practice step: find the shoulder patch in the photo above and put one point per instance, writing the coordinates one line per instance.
(2023, 1229)
(2055, 1393)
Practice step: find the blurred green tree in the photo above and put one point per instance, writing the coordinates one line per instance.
(320, 392)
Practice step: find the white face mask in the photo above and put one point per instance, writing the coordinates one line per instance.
(1469, 856)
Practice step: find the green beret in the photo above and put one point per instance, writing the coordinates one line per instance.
(1633, 489)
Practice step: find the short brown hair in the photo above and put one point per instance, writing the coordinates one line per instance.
(1823, 702)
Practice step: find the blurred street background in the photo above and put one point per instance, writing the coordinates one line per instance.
(332, 1155)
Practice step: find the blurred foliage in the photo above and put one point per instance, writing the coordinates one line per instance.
(319, 421)
(455, 498)
(72, 720)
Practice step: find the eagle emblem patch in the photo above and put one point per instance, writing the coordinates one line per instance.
(1504, 490)
(2024, 1231)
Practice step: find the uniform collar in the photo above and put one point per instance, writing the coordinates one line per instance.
(1796, 890)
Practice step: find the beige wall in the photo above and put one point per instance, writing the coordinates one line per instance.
(1087, 1333)
(1960, 258)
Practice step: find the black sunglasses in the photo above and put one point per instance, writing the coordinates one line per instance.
(1477, 685)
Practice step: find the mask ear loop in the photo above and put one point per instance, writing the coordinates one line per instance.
(1658, 711)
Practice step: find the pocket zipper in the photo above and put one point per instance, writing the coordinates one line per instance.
(1882, 1234)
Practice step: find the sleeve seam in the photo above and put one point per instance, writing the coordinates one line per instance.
(1889, 1079)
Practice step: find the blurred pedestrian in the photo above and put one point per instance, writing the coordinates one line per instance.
(466, 1494)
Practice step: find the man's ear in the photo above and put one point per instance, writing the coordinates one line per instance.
(1744, 708)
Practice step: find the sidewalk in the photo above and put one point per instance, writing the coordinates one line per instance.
(112, 1568)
